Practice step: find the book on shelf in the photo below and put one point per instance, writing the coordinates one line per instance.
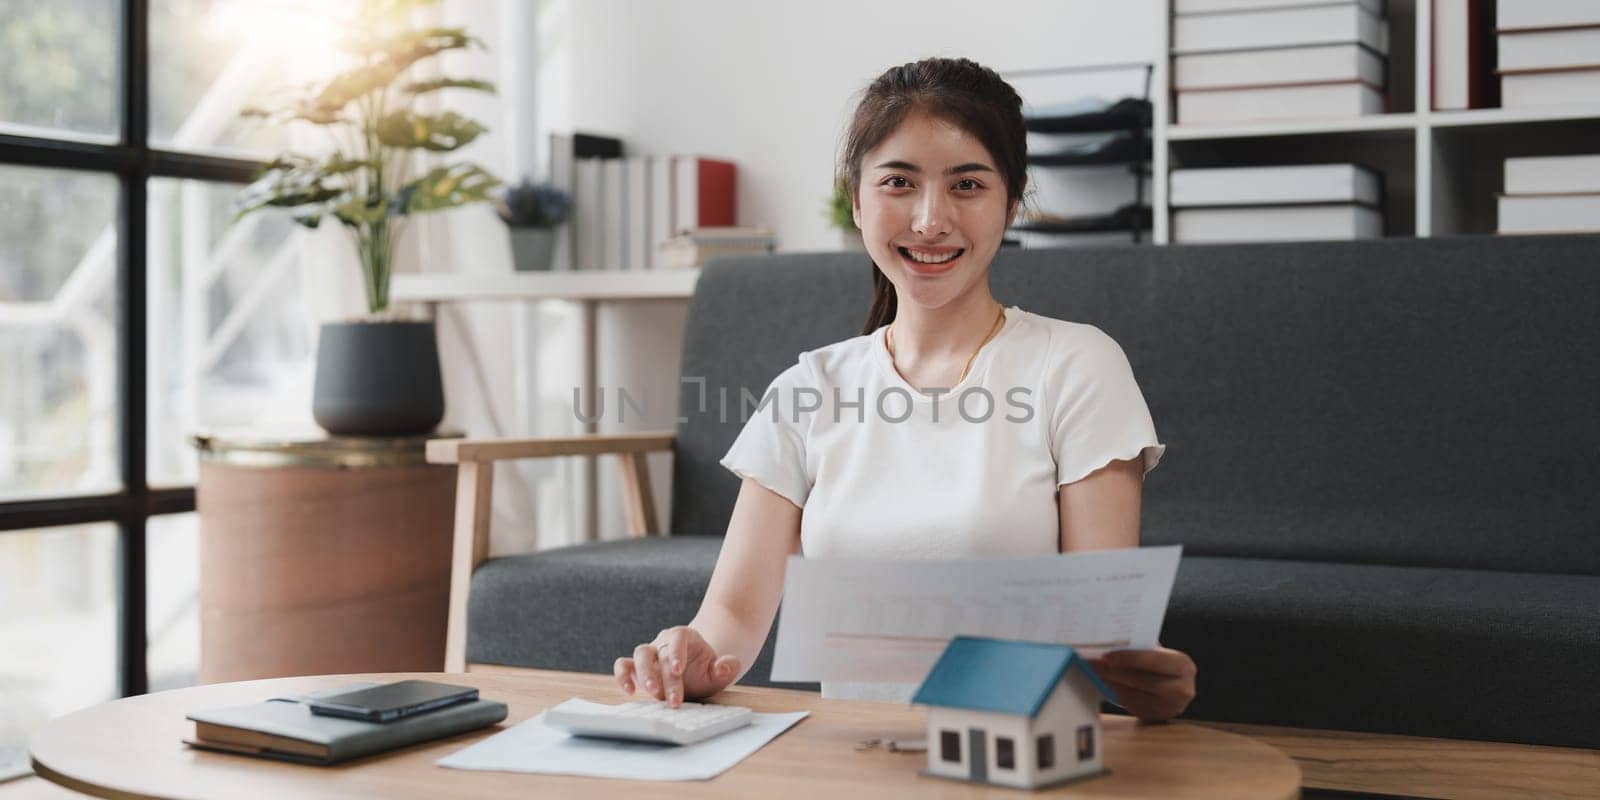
(636, 180)
(1276, 223)
(1293, 184)
(587, 213)
(614, 214)
(1513, 15)
(1332, 23)
(1553, 174)
(663, 220)
(1279, 103)
(705, 192)
(693, 247)
(562, 177)
(1463, 73)
(1549, 87)
(285, 729)
(565, 150)
(594, 145)
(1220, 6)
(1549, 213)
(1534, 50)
(1334, 63)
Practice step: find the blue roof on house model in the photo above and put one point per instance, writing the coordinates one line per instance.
(998, 675)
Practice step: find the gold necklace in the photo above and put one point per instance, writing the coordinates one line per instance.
(888, 335)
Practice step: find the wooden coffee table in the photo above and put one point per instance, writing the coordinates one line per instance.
(131, 749)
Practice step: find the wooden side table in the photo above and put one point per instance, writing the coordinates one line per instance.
(321, 555)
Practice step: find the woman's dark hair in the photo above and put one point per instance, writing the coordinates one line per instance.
(959, 91)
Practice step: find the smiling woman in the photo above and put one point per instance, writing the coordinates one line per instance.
(935, 165)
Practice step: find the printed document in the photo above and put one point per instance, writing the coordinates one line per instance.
(888, 621)
(532, 746)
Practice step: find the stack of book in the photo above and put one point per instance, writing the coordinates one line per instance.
(1551, 194)
(1549, 52)
(286, 730)
(625, 208)
(696, 246)
(1294, 203)
(1261, 60)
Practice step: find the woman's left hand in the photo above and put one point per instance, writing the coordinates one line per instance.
(1153, 685)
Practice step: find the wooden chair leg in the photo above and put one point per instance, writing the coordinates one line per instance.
(637, 499)
(474, 500)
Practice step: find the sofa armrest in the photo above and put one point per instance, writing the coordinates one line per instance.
(474, 460)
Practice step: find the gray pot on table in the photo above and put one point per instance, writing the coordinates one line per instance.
(532, 249)
(378, 379)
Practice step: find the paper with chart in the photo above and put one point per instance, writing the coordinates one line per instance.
(861, 620)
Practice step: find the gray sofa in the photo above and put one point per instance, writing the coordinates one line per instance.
(1383, 468)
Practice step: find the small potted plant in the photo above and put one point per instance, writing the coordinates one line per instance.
(533, 211)
(378, 374)
(841, 215)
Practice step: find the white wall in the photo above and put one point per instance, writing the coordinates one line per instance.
(770, 85)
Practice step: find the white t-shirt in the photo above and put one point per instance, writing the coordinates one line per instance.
(881, 470)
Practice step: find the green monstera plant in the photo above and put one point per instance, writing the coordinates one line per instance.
(368, 183)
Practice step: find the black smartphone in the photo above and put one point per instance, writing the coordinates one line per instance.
(392, 701)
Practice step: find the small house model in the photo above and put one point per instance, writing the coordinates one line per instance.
(1022, 714)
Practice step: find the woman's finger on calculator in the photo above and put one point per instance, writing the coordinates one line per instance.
(622, 668)
(673, 647)
(647, 670)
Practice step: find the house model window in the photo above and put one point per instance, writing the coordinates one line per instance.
(1000, 696)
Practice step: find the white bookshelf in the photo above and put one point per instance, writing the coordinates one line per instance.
(1441, 169)
(582, 285)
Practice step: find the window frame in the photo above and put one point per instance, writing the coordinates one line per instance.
(948, 754)
(133, 162)
(1085, 742)
(1005, 753)
(1045, 751)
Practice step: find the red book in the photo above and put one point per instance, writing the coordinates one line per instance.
(706, 193)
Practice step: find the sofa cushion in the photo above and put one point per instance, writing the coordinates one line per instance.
(578, 608)
(1449, 653)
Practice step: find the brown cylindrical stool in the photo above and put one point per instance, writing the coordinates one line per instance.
(321, 555)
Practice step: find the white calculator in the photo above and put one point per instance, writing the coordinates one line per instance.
(647, 721)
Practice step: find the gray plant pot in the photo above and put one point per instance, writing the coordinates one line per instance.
(532, 249)
(378, 379)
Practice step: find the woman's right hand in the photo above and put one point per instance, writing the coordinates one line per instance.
(679, 665)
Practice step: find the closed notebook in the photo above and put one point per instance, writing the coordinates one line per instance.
(285, 729)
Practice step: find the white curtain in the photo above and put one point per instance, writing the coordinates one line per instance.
(484, 347)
